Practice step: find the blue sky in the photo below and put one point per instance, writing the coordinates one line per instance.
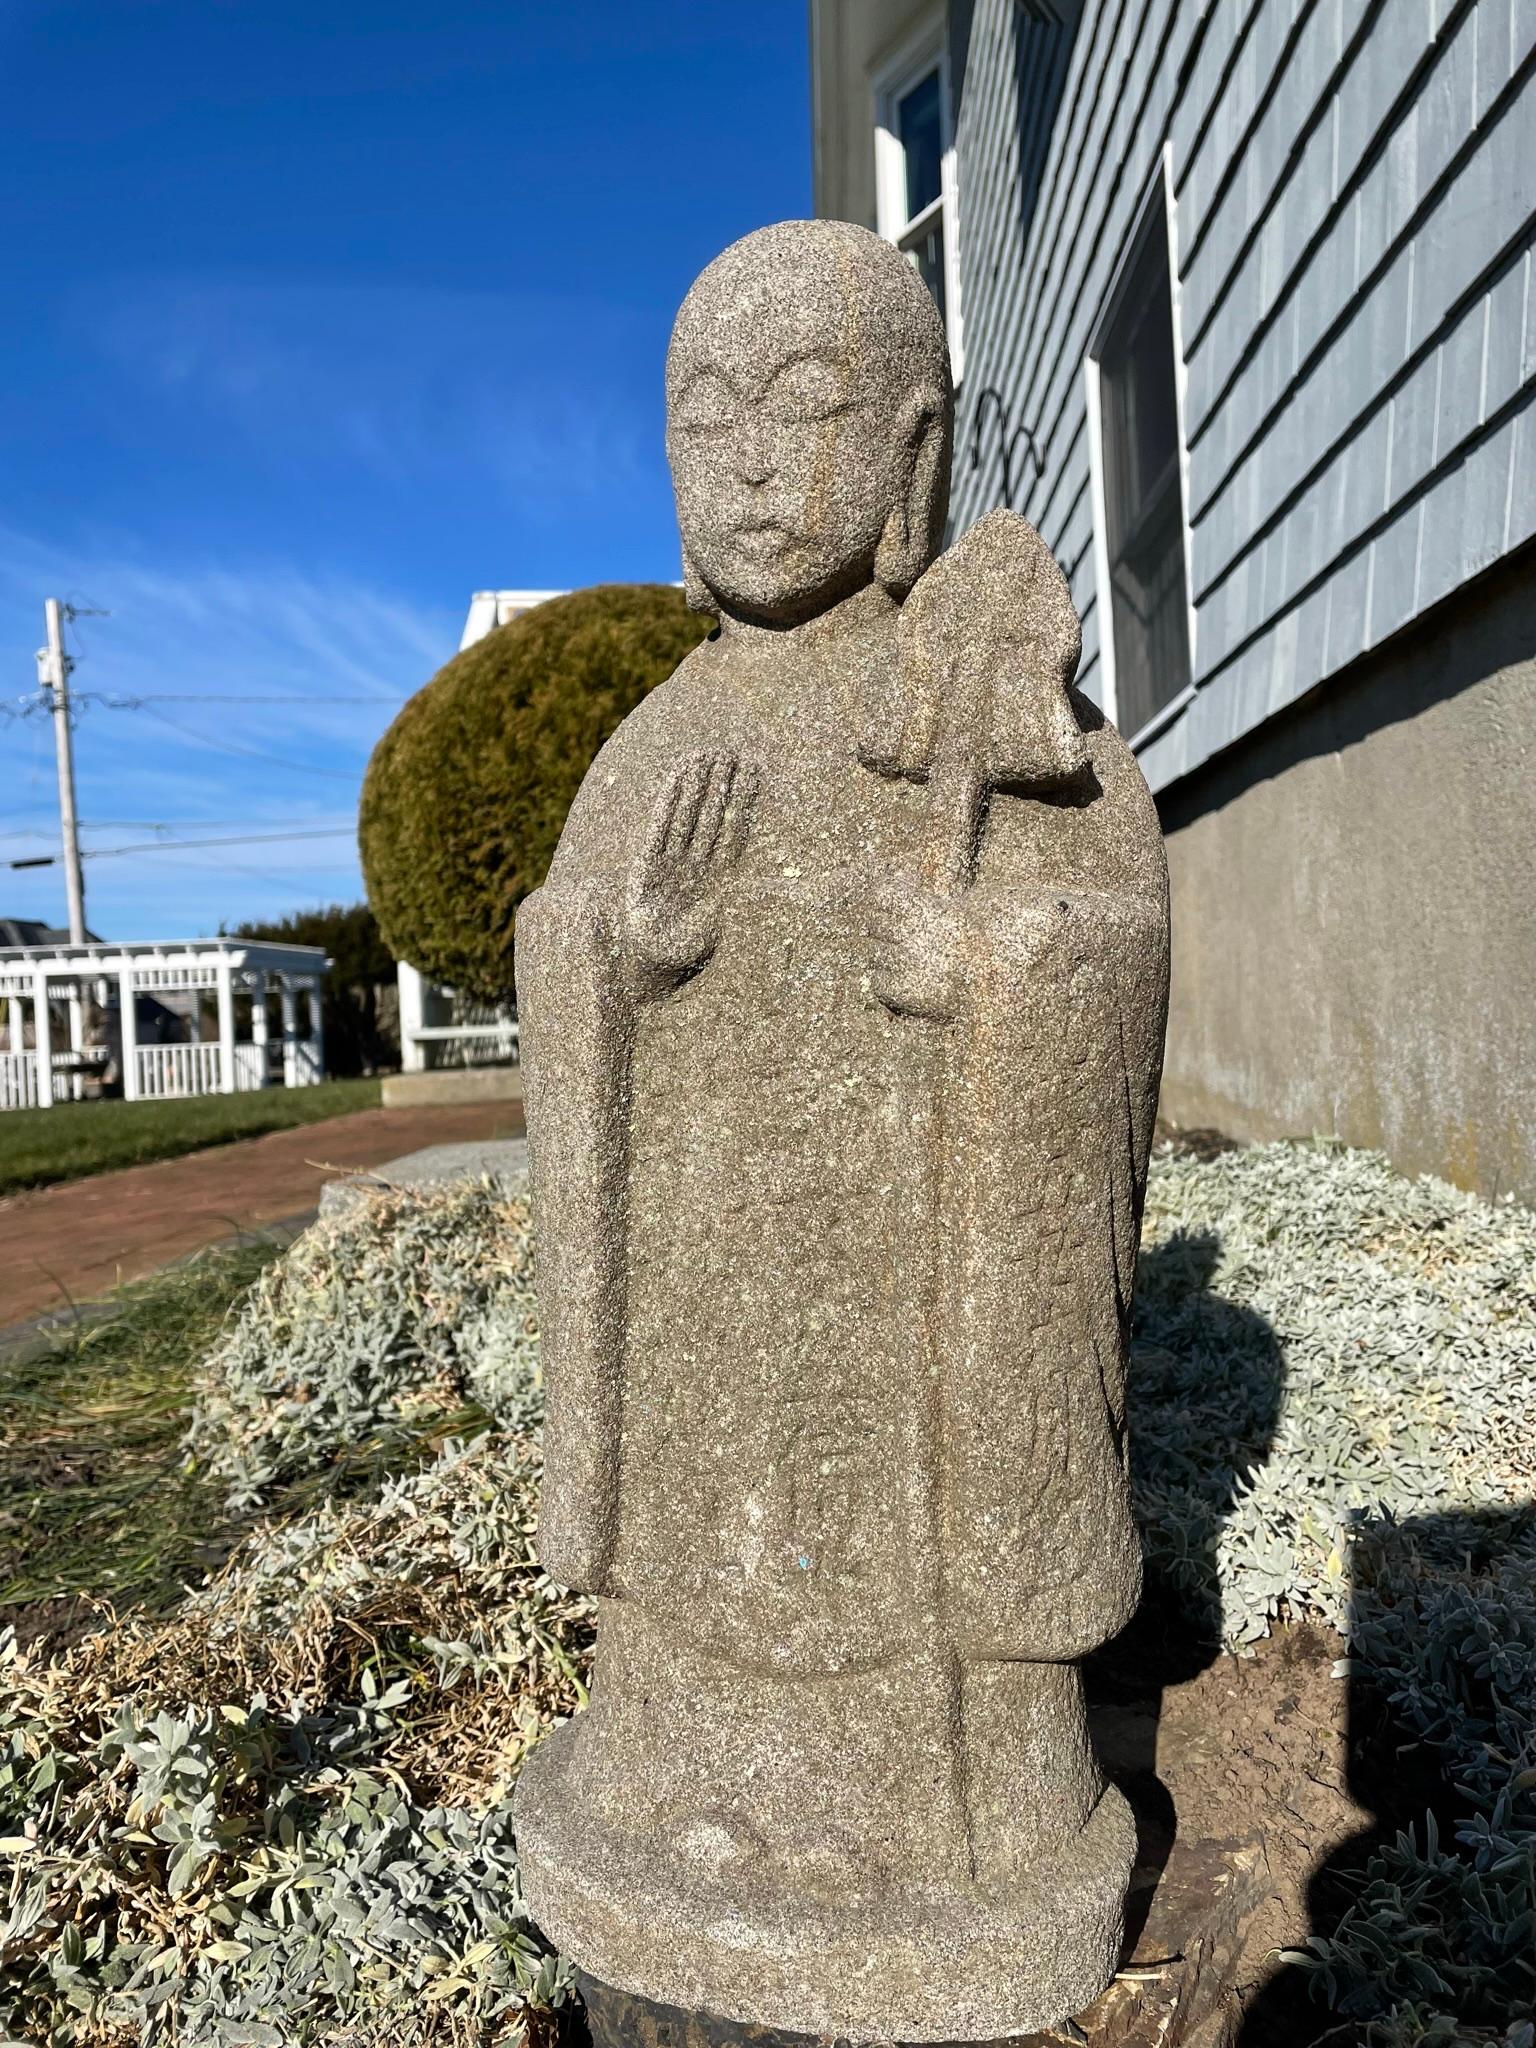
(317, 318)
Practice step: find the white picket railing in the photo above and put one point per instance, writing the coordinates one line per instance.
(76, 1000)
(308, 1069)
(468, 1045)
(18, 1080)
(167, 1070)
(251, 1066)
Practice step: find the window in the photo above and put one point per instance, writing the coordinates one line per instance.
(915, 173)
(1044, 32)
(1133, 389)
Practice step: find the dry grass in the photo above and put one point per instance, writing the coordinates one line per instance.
(93, 1500)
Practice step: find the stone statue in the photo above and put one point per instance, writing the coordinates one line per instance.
(842, 1015)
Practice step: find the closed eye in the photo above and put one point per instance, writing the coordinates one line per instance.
(810, 388)
(708, 405)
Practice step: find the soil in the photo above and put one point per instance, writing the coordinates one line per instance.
(1198, 1141)
(1266, 1763)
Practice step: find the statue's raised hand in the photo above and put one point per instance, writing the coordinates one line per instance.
(675, 892)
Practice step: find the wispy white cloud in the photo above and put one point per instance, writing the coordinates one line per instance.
(354, 420)
(206, 633)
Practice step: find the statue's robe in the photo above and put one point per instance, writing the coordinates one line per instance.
(851, 1285)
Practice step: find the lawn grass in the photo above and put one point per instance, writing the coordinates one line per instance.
(75, 1139)
(93, 1498)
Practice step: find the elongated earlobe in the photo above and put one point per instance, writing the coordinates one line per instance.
(912, 532)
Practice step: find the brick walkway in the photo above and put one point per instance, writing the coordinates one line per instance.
(78, 1241)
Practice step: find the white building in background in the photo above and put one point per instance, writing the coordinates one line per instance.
(488, 608)
(438, 1026)
(155, 1021)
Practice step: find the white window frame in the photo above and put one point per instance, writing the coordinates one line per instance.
(1160, 192)
(923, 51)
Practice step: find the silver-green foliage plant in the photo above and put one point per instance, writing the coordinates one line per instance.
(1320, 1343)
(1334, 1418)
(1444, 1929)
(400, 1306)
(262, 1864)
(246, 1874)
(281, 1815)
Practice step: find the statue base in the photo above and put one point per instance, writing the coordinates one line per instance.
(938, 1962)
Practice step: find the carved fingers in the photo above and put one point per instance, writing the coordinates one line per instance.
(700, 819)
(720, 829)
(674, 893)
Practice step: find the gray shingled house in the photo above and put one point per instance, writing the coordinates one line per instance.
(1240, 302)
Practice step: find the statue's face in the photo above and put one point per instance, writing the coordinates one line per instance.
(787, 454)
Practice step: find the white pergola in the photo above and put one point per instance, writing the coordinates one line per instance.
(54, 986)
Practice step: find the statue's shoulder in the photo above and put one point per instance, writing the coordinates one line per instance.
(687, 703)
(681, 715)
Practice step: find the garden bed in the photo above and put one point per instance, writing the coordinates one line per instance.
(278, 1808)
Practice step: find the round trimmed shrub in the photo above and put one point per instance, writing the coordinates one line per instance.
(466, 793)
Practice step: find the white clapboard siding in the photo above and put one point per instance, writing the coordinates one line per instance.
(1354, 202)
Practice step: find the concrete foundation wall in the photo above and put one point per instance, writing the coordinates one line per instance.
(1354, 903)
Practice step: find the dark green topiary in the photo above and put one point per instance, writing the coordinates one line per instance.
(466, 793)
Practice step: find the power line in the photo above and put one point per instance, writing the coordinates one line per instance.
(308, 873)
(138, 703)
(326, 818)
(195, 824)
(32, 707)
(252, 753)
(189, 845)
(241, 839)
(321, 823)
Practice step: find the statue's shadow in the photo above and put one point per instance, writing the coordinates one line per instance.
(1203, 1400)
(1438, 1720)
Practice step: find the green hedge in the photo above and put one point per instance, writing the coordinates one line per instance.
(467, 791)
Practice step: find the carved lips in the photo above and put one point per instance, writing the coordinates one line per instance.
(763, 541)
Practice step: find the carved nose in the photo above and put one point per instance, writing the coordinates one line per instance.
(754, 464)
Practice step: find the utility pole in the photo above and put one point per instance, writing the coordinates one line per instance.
(53, 673)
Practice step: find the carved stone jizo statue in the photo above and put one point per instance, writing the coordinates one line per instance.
(842, 1016)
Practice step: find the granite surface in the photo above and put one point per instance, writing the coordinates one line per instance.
(842, 1016)
(499, 1158)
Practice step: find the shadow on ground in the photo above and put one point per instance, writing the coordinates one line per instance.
(1189, 1342)
(1445, 1598)
(1273, 1748)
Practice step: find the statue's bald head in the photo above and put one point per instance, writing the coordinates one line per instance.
(809, 414)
